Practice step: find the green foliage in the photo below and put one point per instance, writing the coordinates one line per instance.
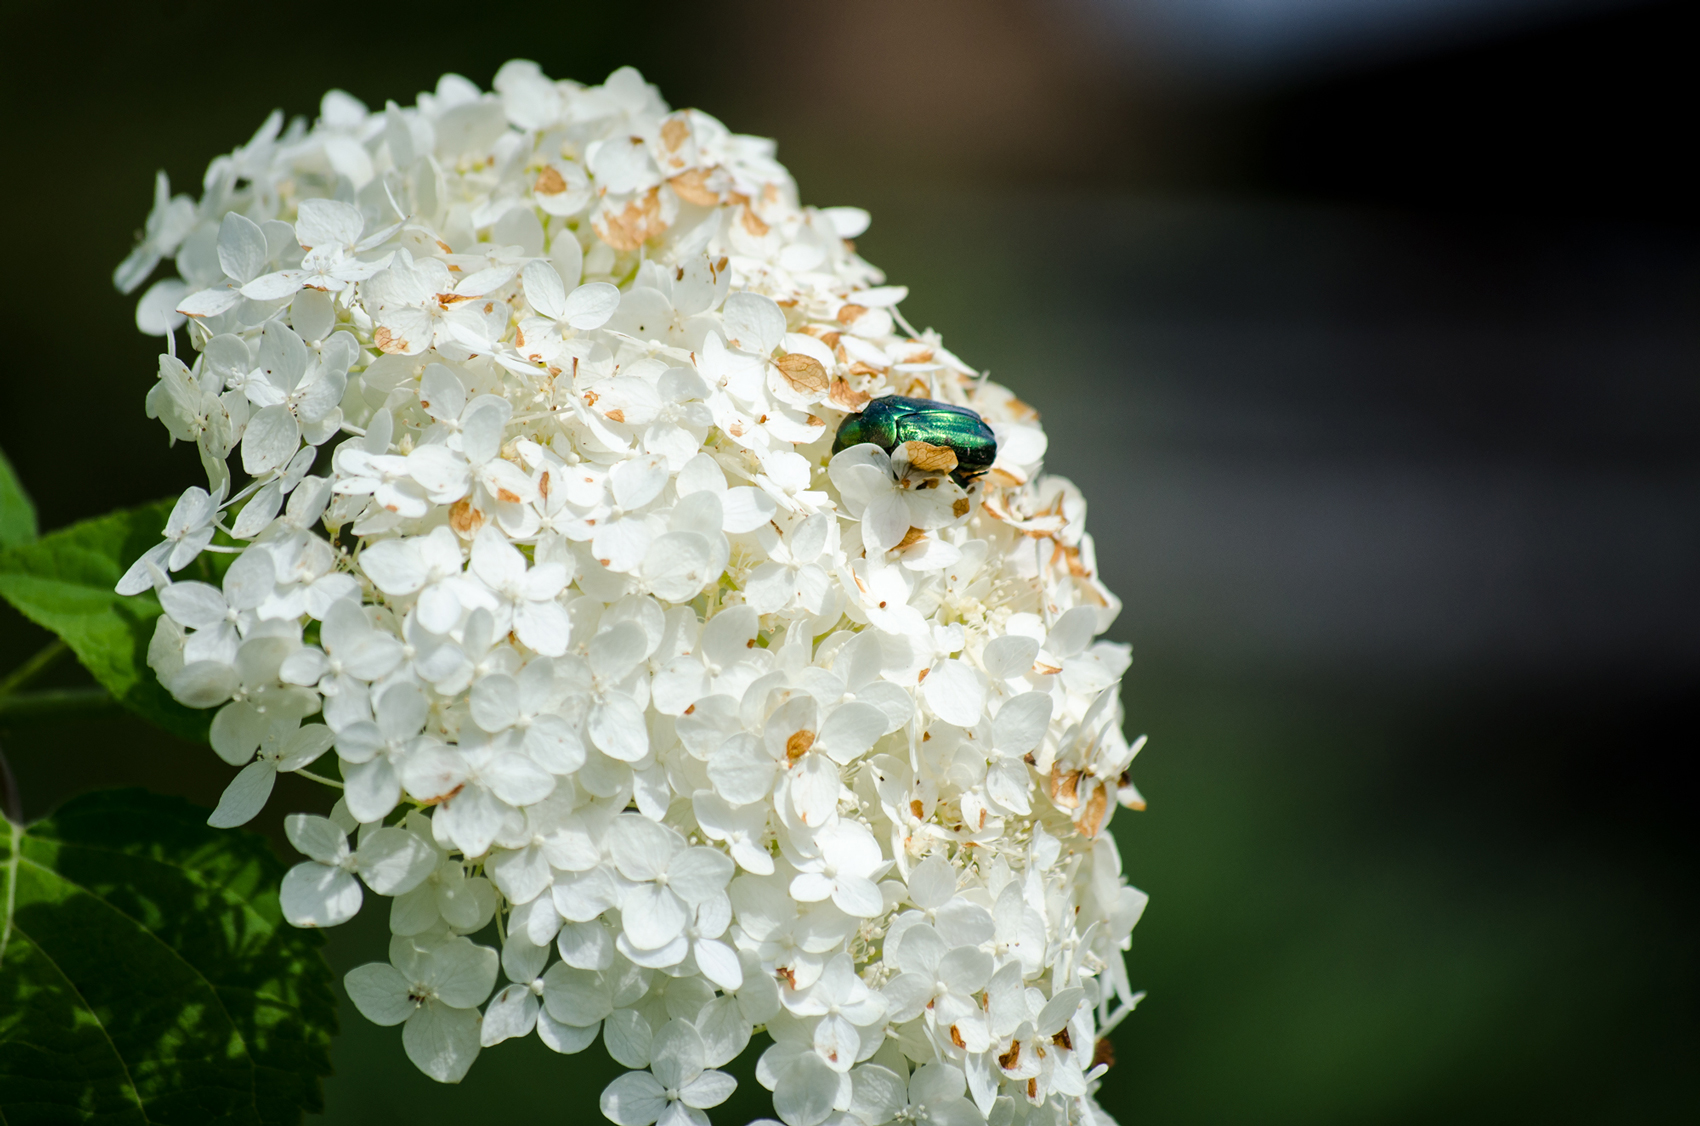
(147, 975)
(64, 582)
(17, 513)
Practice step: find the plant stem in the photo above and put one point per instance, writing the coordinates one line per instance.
(52, 703)
(319, 778)
(32, 668)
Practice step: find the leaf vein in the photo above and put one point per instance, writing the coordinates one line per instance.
(253, 1092)
(11, 886)
(129, 1081)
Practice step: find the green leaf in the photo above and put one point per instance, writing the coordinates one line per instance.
(17, 512)
(147, 975)
(63, 582)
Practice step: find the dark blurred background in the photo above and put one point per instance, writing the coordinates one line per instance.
(1369, 329)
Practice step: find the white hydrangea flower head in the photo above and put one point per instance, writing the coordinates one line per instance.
(540, 527)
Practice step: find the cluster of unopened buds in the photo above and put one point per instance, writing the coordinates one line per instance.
(553, 535)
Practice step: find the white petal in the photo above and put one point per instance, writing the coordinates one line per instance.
(544, 627)
(464, 972)
(676, 1053)
(371, 789)
(554, 745)
(699, 873)
(442, 1041)
(617, 729)
(156, 311)
(394, 861)
(806, 1091)
(885, 521)
(251, 578)
(587, 946)
(196, 605)
(581, 898)
(653, 916)
(274, 286)
(679, 685)
(201, 684)
(676, 566)
(931, 883)
(314, 895)
(242, 250)
(513, 1013)
(564, 1038)
(209, 302)
(271, 439)
(481, 427)
(642, 849)
(837, 1042)
(637, 481)
(1010, 656)
(471, 819)
(305, 746)
(814, 789)
(747, 508)
(1021, 723)
(440, 471)
(754, 323)
(522, 959)
(1073, 631)
(317, 837)
(1059, 1010)
(380, 992)
(517, 780)
(719, 964)
(236, 732)
(393, 566)
(711, 1088)
(634, 1099)
(936, 1083)
(850, 731)
(495, 702)
(770, 588)
(857, 897)
(544, 289)
(521, 875)
(906, 996)
(878, 1093)
(245, 796)
(590, 306)
(742, 771)
(576, 997)
(725, 1029)
(328, 222)
(810, 887)
(627, 1036)
(495, 560)
(956, 693)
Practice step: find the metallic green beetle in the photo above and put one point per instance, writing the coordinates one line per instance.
(890, 421)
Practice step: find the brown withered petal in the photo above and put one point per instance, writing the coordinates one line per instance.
(798, 744)
(802, 373)
(691, 185)
(930, 458)
(847, 398)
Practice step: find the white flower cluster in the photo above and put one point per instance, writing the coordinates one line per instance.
(535, 393)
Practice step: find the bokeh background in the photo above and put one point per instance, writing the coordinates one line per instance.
(1369, 328)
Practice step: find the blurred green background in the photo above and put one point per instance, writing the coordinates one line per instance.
(1370, 332)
